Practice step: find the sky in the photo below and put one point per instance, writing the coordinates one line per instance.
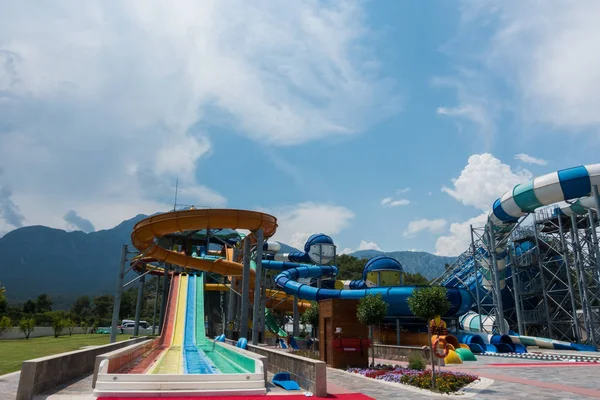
(388, 125)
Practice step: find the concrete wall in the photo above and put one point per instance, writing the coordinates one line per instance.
(42, 374)
(123, 356)
(400, 353)
(310, 374)
(38, 331)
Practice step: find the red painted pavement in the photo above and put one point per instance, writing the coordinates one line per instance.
(349, 396)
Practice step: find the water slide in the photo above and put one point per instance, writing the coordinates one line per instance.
(571, 185)
(271, 324)
(395, 296)
(170, 362)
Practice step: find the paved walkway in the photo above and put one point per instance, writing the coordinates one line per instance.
(9, 384)
(533, 382)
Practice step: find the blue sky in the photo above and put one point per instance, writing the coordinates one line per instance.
(389, 125)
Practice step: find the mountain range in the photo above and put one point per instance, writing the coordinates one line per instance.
(65, 265)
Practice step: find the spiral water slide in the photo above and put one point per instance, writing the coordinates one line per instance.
(572, 186)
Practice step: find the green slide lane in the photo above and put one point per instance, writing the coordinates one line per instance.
(223, 363)
(200, 329)
(272, 324)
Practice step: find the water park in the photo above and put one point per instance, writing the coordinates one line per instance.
(525, 294)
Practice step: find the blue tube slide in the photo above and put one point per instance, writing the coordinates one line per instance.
(395, 296)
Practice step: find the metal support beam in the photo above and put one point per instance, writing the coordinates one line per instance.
(495, 275)
(245, 289)
(256, 314)
(565, 258)
(119, 291)
(542, 278)
(263, 304)
(163, 300)
(517, 296)
(296, 317)
(397, 331)
(139, 304)
(583, 292)
(155, 304)
(231, 302)
(476, 269)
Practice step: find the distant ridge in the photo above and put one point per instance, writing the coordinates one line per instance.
(427, 264)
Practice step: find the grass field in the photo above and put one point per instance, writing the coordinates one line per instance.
(14, 352)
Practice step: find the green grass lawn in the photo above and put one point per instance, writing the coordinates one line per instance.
(14, 352)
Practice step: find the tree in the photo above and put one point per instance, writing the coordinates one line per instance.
(3, 300)
(82, 302)
(428, 303)
(103, 306)
(311, 316)
(27, 325)
(70, 324)
(5, 325)
(350, 267)
(58, 324)
(415, 279)
(43, 303)
(29, 307)
(371, 310)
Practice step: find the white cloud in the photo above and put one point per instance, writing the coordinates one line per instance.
(474, 103)
(364, 245)
(298, 222)
(403, 190)
(389, 202)
(78, 223)
(545, 50)
(103, 102)
(431, 225)
(529, 159)
(483, 180)
(459, 238)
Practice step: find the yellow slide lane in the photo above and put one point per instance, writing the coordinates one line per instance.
(172, 362)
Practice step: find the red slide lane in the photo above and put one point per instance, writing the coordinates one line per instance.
(141, 365)
(167, 335)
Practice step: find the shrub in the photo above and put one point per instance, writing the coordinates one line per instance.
(5, 325)
(27, 325)
(58, 324)
(416, 362)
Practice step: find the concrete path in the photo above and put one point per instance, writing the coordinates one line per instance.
(9, 384)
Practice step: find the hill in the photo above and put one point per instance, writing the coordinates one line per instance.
(38, 259)
(427, 264)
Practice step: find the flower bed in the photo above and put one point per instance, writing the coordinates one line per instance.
(446, 381)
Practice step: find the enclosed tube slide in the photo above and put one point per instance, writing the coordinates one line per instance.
(568, 184)
(395, 296)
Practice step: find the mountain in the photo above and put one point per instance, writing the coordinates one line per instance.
(427, 264)
(38, 259)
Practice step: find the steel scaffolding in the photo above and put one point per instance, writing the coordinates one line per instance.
(552, 276)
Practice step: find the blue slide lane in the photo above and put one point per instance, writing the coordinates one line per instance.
(395, 296)
(194, 361)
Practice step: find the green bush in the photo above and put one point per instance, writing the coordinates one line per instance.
(27, 325)
(445, 382)
(416, 362)
(5, 325)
